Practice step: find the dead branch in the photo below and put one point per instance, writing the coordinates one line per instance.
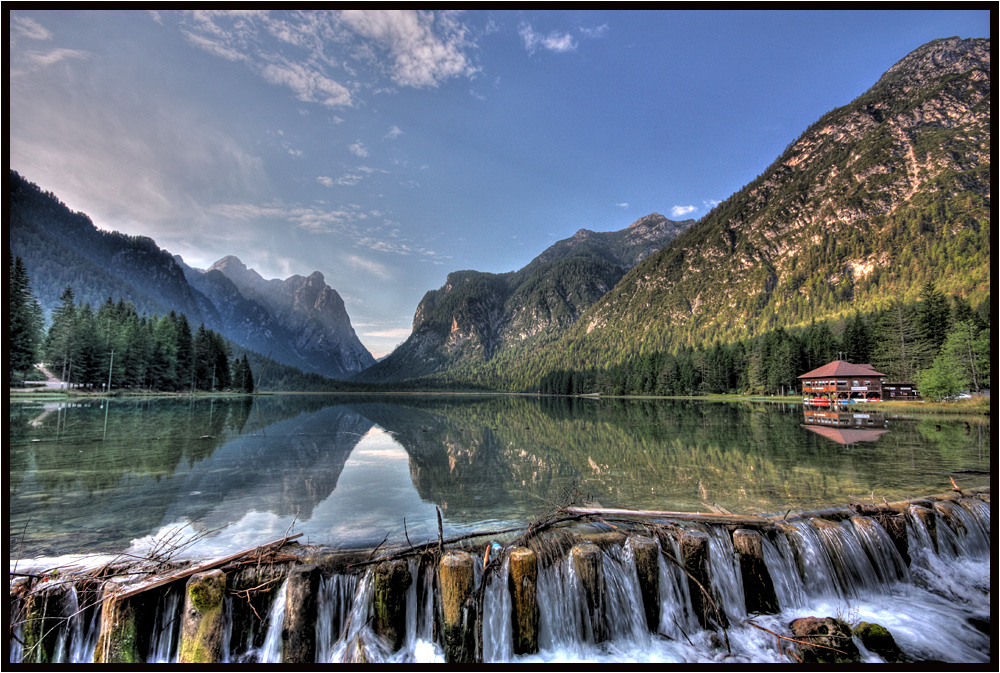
(205, 566)
(793, 640)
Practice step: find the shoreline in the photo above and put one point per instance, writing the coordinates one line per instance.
(977, 406)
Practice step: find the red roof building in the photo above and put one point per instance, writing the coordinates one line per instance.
(841, 381)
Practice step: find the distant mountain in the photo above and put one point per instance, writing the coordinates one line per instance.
(299, 321)
(312, 314)
(475, 316)
(873, 200)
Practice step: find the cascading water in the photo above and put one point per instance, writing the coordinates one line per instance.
(931, 591)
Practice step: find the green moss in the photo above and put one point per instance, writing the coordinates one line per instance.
(205, 595)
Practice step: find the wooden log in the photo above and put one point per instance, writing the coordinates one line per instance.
(647, 567)
(203, 625)
(456, 577)
(392, 581)
(120, 636)
(202, 567)
(523, 581)
(723, 519)
(588, 563)
(298, 633)
(758, 587)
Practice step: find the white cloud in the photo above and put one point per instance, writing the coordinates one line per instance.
(393, 133)
(554, 41)
(424, 48)
(31, 29)
(315, 54)
(623, 205)
(681, 211)
(308, 84)
(358, 149)
(325, 180)
(711, 203)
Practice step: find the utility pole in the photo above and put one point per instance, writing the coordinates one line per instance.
(111, 366)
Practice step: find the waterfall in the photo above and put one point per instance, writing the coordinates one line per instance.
(497, 612)
(270, 651)
(725, 575)
(931, 591)
(780, 561)
(166, 628)
(333, 608)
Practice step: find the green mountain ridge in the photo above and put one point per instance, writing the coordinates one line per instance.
(872, 201)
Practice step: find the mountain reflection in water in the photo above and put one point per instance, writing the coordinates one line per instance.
(354, 470)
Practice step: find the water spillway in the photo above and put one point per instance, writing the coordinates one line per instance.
(611, 589)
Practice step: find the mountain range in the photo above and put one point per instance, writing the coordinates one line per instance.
(872, 201)
(299, 321)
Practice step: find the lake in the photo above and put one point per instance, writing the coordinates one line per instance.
(99, 477)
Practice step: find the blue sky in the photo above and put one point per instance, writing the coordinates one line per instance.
(388, 148)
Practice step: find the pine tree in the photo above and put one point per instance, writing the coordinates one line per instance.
(934, 318)
(856, 341)
(24, 326)
(60, 344)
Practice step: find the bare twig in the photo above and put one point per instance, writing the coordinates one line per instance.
(793, 640)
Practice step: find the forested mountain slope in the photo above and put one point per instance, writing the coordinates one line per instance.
(873, 201)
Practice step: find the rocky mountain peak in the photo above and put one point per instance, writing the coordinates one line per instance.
(948, 56)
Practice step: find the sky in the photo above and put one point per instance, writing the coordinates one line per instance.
(387, 148)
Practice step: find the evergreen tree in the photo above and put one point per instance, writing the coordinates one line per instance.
(856, 341)
(242, 377)
(934, 318)
(897, 347)
(24, 326)
(60, 344)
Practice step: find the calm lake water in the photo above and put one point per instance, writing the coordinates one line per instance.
(98, 477)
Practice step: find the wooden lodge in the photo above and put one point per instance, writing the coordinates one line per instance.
(840, 381)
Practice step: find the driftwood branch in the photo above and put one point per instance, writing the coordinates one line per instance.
(277, 544)
(724, 519)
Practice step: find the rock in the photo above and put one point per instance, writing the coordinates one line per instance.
(878, 639)
(831, 641)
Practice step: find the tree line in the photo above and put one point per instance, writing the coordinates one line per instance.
(115, 345)
(940, 344)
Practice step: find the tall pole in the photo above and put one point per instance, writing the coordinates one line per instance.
(110, 367)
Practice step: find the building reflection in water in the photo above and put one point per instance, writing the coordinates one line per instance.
(845, 427)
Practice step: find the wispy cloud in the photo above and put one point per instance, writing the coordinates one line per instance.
(682, 211)
(553, 41)
(316, 51)
(30, 28)
(368, 266)
(623, 205)
(393, 133)
(423, 48)
(594, 33)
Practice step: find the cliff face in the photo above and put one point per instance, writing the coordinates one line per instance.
(316, 332)
(475, 316)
